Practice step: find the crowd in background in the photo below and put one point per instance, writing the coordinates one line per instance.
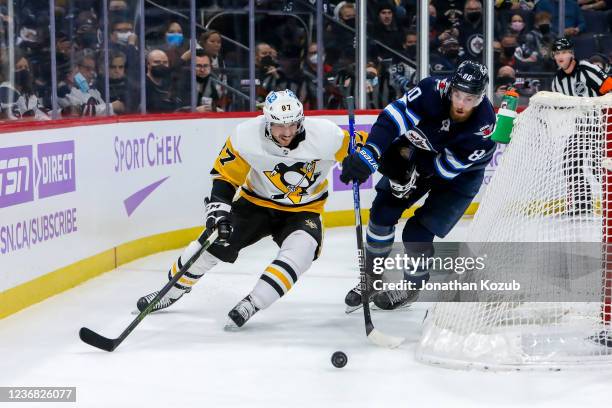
(286, 52)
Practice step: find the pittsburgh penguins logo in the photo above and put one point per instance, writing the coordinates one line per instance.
(293, 181)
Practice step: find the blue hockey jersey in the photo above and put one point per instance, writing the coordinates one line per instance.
(442, 147)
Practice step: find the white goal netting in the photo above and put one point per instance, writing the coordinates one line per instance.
(552, 186)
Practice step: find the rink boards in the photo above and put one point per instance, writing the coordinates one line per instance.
(79, 200)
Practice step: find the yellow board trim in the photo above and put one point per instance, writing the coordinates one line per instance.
(280, 276)
(18, 298)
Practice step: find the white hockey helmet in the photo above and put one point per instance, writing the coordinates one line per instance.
(283, 107)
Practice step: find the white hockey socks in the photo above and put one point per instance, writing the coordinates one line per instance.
(203, 264)
(294, 258)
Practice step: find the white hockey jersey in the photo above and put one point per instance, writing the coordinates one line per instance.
(281, 178)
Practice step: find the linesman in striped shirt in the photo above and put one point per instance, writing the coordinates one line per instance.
(577, 78)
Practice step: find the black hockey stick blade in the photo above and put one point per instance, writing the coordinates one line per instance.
(94, 339)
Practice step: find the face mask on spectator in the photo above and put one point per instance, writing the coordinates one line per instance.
(88, 39)
(23, 79)
(545, 28)
(313, 59)
(509, 51)
(123, 38)
(268, 61)
(160, 71)
(411, 50)
(452, 53)
(174, 39)
(517, 25)
(349, 22)
(473, 17)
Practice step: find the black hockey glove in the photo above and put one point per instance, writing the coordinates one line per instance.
(358, 166)
(218, 217)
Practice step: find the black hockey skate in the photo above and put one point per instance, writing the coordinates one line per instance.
(241, 313)
(352, 300)
(164, 302)
(395, 299)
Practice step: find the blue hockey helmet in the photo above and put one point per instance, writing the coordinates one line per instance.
(471, 77)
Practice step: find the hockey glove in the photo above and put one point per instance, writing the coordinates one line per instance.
(218, 217)
(358, 166)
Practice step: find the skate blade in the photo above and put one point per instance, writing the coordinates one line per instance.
(230, 326)
(374, 307)
(351, 309)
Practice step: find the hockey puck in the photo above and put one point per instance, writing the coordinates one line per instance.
(339, 359)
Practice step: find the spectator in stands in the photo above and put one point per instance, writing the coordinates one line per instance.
(117, 6)
(505, 78)
(160, 96)
(77, 94)
(211, 42)
(386, 31)
(526, 58)
(20, 100)
(517, 27)
(121, 89)
(409, 46)
(540, 39)
(268, 72)
(508, 44)
(448, 56)
(124, 40)
(447, 33)
(207, 98)
(175, 45)
(87, 31)
(372, 88)
(309, 72)
(345, 12)
(63, 49)
(338, 37)
(574, 19)
(470, 30)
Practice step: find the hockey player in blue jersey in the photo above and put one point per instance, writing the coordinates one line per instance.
(434, 140)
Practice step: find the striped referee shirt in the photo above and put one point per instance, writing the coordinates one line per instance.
(585, 80)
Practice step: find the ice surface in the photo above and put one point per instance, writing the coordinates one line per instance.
(183, 358)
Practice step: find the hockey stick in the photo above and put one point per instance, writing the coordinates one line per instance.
(94, 339)
(375, 336)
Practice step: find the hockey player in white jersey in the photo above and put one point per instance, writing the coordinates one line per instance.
(280, 162)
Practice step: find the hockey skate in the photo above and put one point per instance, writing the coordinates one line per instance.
(164, 302)
(240, 314)
(352, 300)
(395, 299)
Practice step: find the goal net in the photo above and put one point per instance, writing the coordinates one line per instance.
(548, 211)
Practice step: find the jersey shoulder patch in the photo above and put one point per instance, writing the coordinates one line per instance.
(247, 136)
(324, 136)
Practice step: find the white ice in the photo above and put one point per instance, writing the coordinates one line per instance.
(183, 358)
